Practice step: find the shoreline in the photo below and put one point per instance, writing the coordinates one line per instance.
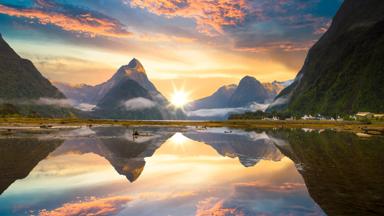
(374, 128)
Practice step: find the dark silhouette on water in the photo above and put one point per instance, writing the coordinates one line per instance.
(18, 156)
(344, 174)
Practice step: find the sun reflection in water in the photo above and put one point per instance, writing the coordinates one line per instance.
(178, 139)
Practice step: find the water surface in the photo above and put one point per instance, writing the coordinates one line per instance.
(190, 171)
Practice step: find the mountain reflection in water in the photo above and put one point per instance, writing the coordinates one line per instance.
(185, 171)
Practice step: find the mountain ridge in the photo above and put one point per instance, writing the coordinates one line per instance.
(343, 71)
(19, 78)
(221, 98)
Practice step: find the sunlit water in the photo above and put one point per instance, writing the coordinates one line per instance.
(189, 171)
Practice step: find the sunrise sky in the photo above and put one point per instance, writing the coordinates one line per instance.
(198, 44)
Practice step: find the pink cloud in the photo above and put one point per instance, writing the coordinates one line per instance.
(322, 29)
(94, 206)
(214, 207)
(284, 187)
(287, 46)
(84, 23)
(210, 15)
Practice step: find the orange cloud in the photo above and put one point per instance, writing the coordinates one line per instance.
(211, 207)
(284, 187)
(84, 23)
(210, 15)
(286, 46)
(103, 206)
(158, 37)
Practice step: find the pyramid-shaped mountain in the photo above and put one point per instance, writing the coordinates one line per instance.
(128, 94)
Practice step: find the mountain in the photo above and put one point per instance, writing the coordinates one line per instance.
(80, 93)
(22, 87)
(276, 87)
(134, 70)
(219, 99)
(19, 78)
(248, 91)
(344, 70)
(249, 95)
(129, 84)
(113, 104)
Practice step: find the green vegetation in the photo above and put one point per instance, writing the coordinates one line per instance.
(36, 111)
(344, 70)
(19, 78)
(259, 115)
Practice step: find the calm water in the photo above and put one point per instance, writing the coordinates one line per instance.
(187, 171)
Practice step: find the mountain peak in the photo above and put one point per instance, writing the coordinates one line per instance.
(230, 87)
(6, 51)
(249, 80)
(133, 70)
(135, 64)
(249, 90)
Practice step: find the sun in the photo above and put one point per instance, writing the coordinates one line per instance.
(179, 98)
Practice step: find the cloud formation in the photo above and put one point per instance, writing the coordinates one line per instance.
(85, 107)
(210, 16)
(224, 112)
(211, 206)
(139, 103)
(69, 19)
(54, 102)
(261, 198)
(94, 206)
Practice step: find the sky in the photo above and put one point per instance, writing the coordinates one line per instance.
(198, 45)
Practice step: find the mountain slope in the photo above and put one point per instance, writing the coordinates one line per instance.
(248, 91)
(80, 93)
(344, 70)
(24, 91)
(130, 82)
(134, 70)
(19, 79)
(112, 105)
(219, 99)
(275, 87)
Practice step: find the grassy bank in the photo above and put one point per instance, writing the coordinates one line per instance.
(354, 126)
